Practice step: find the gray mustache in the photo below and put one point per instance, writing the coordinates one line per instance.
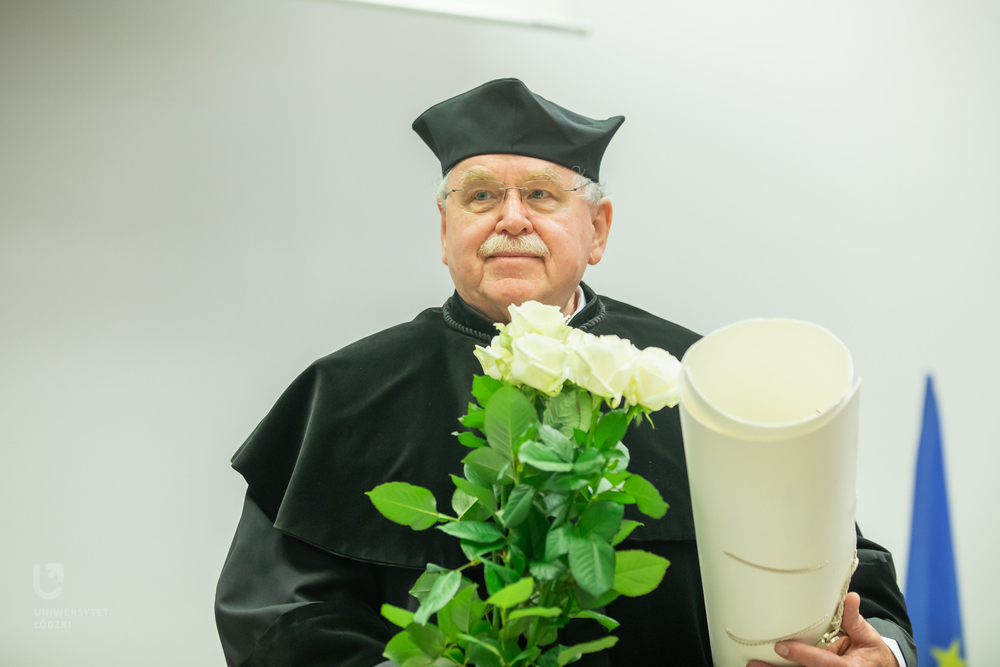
(531, 244)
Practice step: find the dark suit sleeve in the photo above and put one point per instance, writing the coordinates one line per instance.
(882, 602)
(281, 602)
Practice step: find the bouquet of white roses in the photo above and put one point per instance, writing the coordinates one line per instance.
(541, 504)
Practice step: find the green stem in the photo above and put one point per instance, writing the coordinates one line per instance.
(594, 414)
(536, 624)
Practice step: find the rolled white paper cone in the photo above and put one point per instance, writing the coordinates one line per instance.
(769, 414)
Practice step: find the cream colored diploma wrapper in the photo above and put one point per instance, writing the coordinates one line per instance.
(769, 413)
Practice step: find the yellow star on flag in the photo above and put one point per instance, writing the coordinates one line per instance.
(949, 658)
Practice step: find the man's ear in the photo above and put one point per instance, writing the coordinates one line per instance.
(601, 219)
(444, 235)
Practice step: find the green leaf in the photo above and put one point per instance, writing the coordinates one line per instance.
(557, 442)
(513, 629)
(441, 593)
(608, 622)
(517, 559)
(469, 439)
(589, 462)
(602, 518)
(412, 506)
(619, 497)
(491, 645)
(638, 572)
(546, 612)
(463, 611)
(562, 412)
(401, 648)
(475, 418)
(547, 570)
(428, 638)
(571, 653)
(649, 500)
(483, 388)
(592, 562)
(508, 415)
(397, 615)
(543, 457)
(616, 478)
(587, 601)
(478, 513)
(610, 429)
(551, 657)
(475, 476)
(527, 655)
(512, 595)
(518, 505)
(481, 657)
(628, 525)
(422, 586)
(474, 550)
(474, 531)
(483, 494)
(620, 457)
(580, 437)
(490, 465)
(462, 502)
(562, 483)
(548, 636)
(557, 541)
(487, 646)
(418, 661)
(554, 503)
(444, 621)
(497, 576)
(530, 536)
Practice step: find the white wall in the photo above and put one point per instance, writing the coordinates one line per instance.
(187, 219)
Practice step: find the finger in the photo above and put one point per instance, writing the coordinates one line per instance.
(857, 628)
(808, 656)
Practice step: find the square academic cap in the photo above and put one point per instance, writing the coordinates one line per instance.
(503, 116)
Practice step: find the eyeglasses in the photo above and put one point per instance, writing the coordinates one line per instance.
(539, 196)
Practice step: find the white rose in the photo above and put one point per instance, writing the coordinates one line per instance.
(495, 359)
(601, 364)
(654, 380)
(537, 318)
(539, 362)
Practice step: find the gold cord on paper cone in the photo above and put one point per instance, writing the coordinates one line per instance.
(835, 630)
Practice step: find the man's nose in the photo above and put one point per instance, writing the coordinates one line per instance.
(513, 218)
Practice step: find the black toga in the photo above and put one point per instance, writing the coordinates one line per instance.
(313, 560)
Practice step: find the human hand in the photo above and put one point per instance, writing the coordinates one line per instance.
(862, 647)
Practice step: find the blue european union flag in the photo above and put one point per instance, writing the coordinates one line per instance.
(931, 585)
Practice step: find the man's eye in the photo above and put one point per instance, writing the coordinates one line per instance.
(482, 195)
(539, 194)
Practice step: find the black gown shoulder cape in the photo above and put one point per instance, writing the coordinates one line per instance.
(383, 409)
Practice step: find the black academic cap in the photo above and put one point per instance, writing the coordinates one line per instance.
(503, 116)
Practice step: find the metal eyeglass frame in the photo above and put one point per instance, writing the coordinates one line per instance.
(504, 189)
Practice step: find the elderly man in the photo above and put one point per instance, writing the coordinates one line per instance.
(522, 216)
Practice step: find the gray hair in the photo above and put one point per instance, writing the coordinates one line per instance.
(594, 191)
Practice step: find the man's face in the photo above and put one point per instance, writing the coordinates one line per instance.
(516, 268)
